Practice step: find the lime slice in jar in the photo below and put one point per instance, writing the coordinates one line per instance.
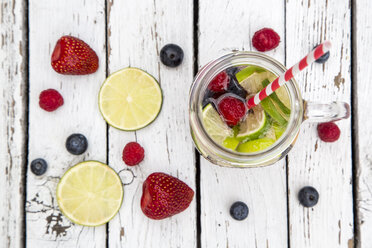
(278, 129)
(231, 143)
(274, 97)
(247, 71)
(215, 126)
(253, 83)
(255, 145)
(254, 125)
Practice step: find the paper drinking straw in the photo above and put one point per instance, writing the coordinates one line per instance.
(289, 74)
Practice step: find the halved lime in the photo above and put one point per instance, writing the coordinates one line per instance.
(254, 124)
(90, 193)
(255, 145)
(130, 99)
(215, 126)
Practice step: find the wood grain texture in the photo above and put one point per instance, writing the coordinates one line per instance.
(136, 33)
(49, 20)
(12, 122)
(364, 108)
(225, 26)
(325, 166)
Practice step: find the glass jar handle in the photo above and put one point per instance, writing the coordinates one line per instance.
(324, 112)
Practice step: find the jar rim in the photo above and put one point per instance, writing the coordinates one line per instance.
(223, 156)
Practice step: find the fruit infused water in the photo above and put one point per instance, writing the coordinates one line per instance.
(229, 122)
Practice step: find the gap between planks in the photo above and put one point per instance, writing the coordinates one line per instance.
(197, 155)
(26, 94)
(354, 123)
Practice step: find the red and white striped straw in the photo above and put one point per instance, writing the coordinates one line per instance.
(289, 74)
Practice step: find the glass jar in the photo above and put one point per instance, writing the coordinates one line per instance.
(300, 111)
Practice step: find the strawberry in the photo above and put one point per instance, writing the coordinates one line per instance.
(72, 56)
(164, 196)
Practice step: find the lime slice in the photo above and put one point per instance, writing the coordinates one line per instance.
(283, 96)
(274, 97)
(253, 83)
(215, 126)
(269, 133)
(246, 72)
(255, 145)
(254, 125)
(278, 129)
(231, 143)
(270, 108)
(90, 193)
(130, 99)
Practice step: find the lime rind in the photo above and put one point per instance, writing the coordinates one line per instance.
(255, 145)
(131, 116)
(270, 109)
(62, 183)
(274, 97)
(231, 143)
(249, 133)
(246, 72)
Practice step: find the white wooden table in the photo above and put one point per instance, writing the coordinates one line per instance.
(131, 33)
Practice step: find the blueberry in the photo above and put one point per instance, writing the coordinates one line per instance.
(208, 95)
(231, 71)
(239, 210)
(308, 196)
(39, 166)
(171, 55)
(76, 144)
(322, 59)
(235, 88)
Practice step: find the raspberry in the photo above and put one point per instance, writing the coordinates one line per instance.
(50, 100)
(219, 83)
(232, 110)
(133, 153)
(328, 132)
(265, 39)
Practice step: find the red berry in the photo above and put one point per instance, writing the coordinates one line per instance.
(219, 83)
(265, 39)
(133, 153)
(72, 56)
(164, 196)
(232, 110)
(50, 100)
(328, 132)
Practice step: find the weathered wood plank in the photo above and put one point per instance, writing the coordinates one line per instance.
(226, 26)
(136, 33)
(325, 166)
(12, 122)
(364, 108)
(49, 20)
